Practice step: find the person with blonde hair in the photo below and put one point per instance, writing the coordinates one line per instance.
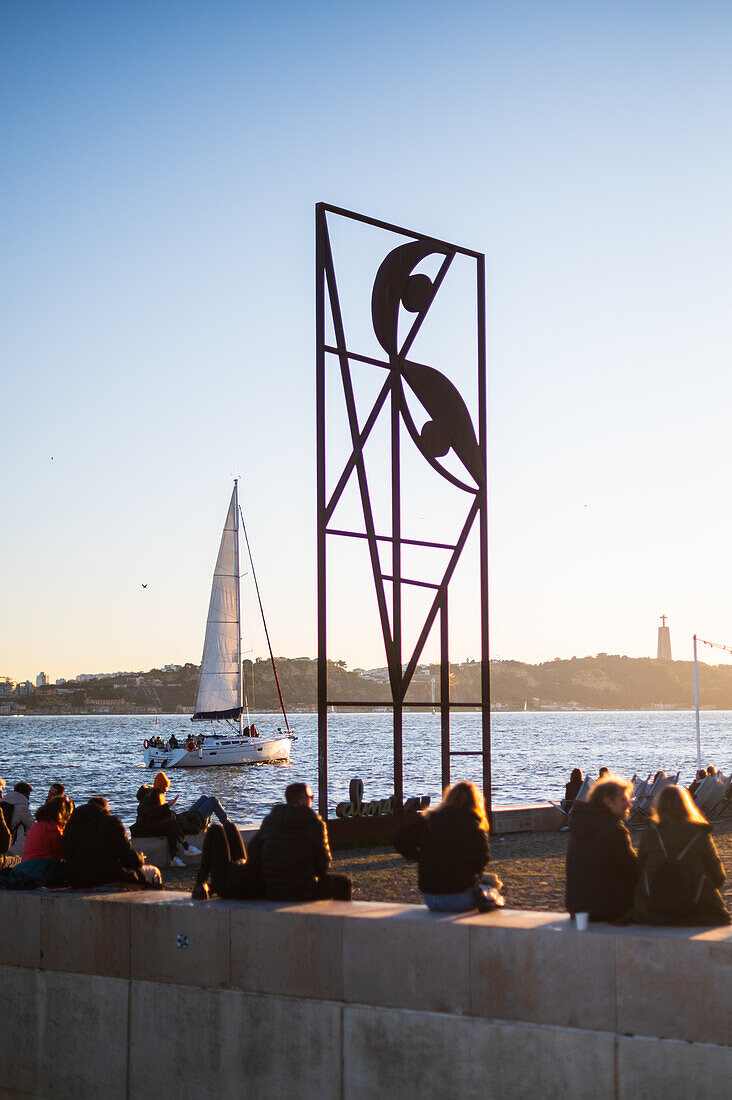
(601, 862)
(679, 865)
(450, 845)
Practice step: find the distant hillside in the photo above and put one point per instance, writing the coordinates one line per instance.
(601, 682)
(610, 682)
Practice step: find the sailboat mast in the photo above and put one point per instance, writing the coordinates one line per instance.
(237, 590)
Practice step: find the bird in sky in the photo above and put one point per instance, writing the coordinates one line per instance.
(144, 586)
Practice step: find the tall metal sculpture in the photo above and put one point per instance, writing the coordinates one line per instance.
(401, 300)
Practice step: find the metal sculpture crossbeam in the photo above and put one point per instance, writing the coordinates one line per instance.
(401, 299)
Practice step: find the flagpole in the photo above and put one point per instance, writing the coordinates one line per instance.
(696, 706)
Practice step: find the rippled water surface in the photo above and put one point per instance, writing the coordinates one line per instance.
(533, 754)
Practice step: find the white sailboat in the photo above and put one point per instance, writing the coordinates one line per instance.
(219, 698)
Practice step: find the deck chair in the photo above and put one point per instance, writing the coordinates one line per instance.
(639, 787)
(641, 810)
(710, 793)
(566, 811)
(723, 808)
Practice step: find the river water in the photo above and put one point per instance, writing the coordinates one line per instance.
(533, 753)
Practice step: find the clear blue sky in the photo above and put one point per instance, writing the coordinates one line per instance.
(160, 165)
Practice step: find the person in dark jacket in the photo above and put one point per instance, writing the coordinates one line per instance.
(224, 864)
(450, 845)
(572, 788)
(699, 779)
(97, 849)
(602, 866)
(680, 871)
(292, 850)
(156, 817)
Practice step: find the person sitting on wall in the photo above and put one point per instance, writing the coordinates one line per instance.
(292, 849)
(42, 863)
(604, 770)
(98, 851)
(156, 817)
(225, 869)
(680, 871)
(572, 788)
(45, 838)
(711, 770)
(450, 845)
(55, 790)
(602, 865)
(6, 837)
(21, 821)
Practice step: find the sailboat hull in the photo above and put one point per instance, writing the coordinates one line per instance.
(218, 752)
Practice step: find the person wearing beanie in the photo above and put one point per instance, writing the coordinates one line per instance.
(156, 817)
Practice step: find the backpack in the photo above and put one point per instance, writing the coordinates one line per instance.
(191, 822)
(674, 888)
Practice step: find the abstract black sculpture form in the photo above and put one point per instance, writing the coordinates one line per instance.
(420, 402)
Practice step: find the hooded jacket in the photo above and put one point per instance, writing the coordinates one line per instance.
(701, 862)
(151, 811)
(291, 848)
(97, 849)
(22, 820)
(451, 849)
(602, 866)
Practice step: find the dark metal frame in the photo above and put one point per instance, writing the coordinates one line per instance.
(397, 288)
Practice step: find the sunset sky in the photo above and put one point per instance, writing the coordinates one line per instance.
(161, 163)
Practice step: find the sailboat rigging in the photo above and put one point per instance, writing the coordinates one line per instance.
(219, 696)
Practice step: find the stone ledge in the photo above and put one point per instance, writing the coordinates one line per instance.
(530, 817)
(510, 965)
(156, 848)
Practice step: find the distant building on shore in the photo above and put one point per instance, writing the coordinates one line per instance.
(664, 641)
(41, 680)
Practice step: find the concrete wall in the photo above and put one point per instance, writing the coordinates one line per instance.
(149, 994)
(534, 817)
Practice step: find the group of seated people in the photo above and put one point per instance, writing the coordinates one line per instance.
(288, 859)
(673, 878)
(66, 845)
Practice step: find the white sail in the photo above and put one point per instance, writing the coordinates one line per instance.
(219, 681)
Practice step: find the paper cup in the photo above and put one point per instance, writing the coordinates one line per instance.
(581, 921)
